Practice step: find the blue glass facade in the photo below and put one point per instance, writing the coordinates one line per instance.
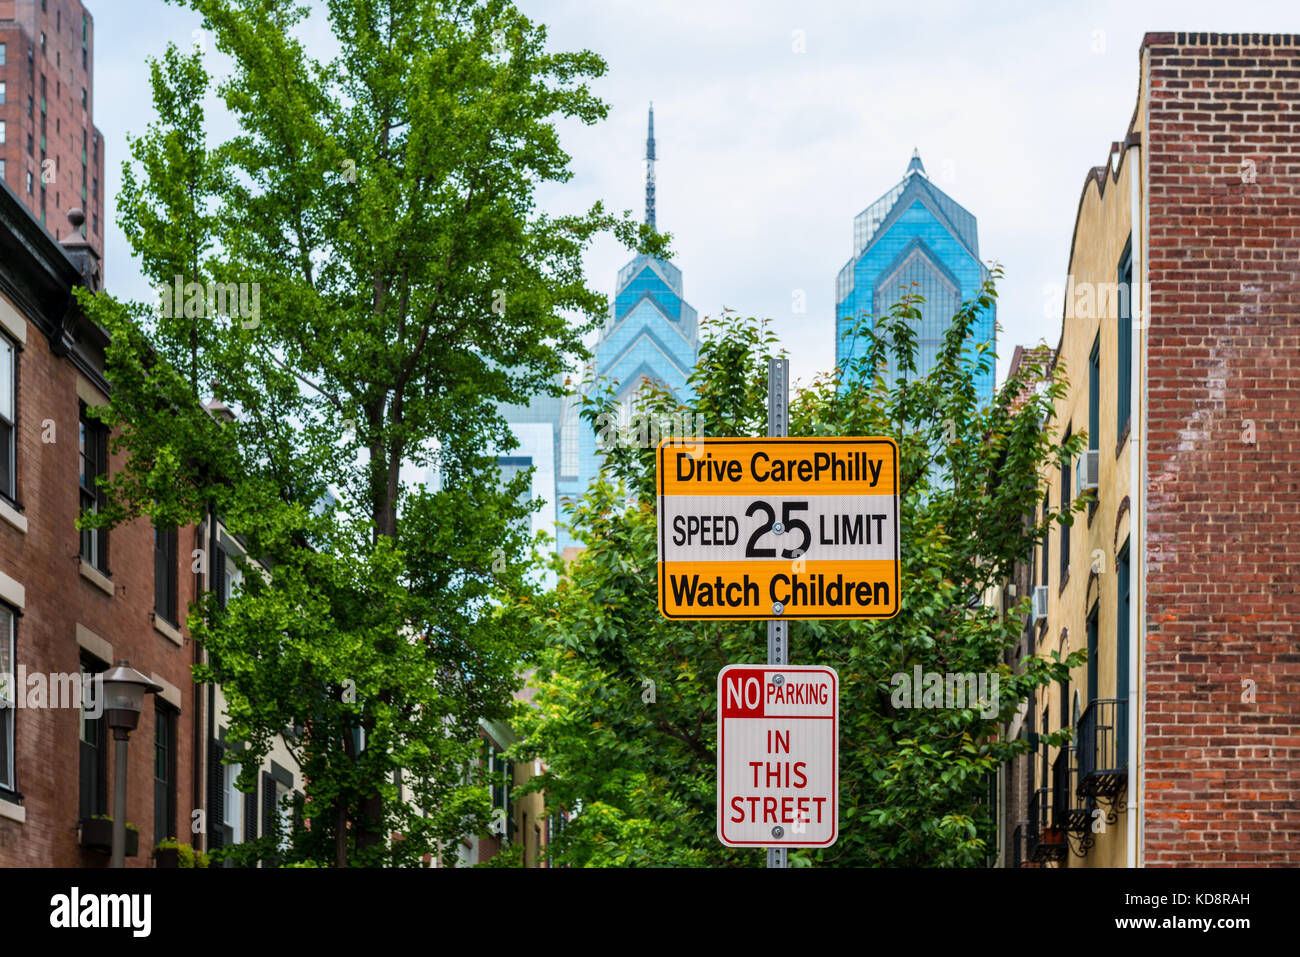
(651, 335)
(915, 233)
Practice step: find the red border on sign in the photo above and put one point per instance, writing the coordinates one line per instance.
(835, 751)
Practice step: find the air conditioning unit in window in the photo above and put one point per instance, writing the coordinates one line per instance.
(1040, 603)
(1085, 472)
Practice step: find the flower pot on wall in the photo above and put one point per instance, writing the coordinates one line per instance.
(97, 835)
(166, 857)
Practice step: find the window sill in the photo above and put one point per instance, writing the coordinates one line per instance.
(167, 629)
(97, 578)
(14, 517)
(12, 812)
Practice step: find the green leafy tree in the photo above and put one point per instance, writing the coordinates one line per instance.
(638, 771)
(360, 274)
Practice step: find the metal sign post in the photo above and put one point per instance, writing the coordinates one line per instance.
(737, 520)
(778, 631)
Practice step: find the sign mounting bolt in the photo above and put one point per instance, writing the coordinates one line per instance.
(778, 528)
(777, 608)
(778, 831)
(778, 680)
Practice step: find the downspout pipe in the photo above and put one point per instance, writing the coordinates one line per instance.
(1138, 186)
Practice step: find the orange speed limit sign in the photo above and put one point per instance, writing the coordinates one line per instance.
(778, 528)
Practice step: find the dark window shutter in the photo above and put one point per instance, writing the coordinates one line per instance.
(102, 495)
(250, 813)
(159, 572)
(216, 797)
(219, 576)
(270, 822)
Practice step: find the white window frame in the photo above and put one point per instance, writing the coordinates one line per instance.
(8, 666)
(232, 811)
(284, 808)
(9, 401)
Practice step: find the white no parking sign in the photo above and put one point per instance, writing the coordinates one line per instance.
(778, 756)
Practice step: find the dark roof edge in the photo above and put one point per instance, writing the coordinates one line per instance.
(39, 276)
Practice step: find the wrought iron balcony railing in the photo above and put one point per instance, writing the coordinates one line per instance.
(1047, 842)
(1102, 743)
(1068, 812)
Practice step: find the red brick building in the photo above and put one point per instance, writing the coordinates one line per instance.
(51, 154)
(1222, 779)
(1180, 340)
(70, 601)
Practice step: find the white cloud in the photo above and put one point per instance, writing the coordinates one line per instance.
(766, 155)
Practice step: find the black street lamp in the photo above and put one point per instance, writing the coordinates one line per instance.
(124, 691)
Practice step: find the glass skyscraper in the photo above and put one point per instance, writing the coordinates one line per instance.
(651, 335)
(915, 233)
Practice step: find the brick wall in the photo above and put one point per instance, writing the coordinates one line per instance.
(1222, 775)
(65, 121)
(58, 599)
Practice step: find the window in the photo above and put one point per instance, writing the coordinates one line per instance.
(8, 652)
(93, 753)
(164, 573)
(2, 54)
(1094, 395)
(1066, 498)
(1046, 532)
(1064, 688)
(1122, 572)
(3, 133)
(2, 94)
(232, 805)
(569, 439)
(93, 444)
(42, 41)
(29, 180)
(1092, 690)
(164, 772)
(8, 417)
(2, 169)
(229, 578)
(84, 101)
(501, 774)
(284, 804)
(1124, 352)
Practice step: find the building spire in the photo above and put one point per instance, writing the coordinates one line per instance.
(650, 171)
(915, 165)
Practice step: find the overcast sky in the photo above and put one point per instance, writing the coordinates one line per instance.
(777, 122)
